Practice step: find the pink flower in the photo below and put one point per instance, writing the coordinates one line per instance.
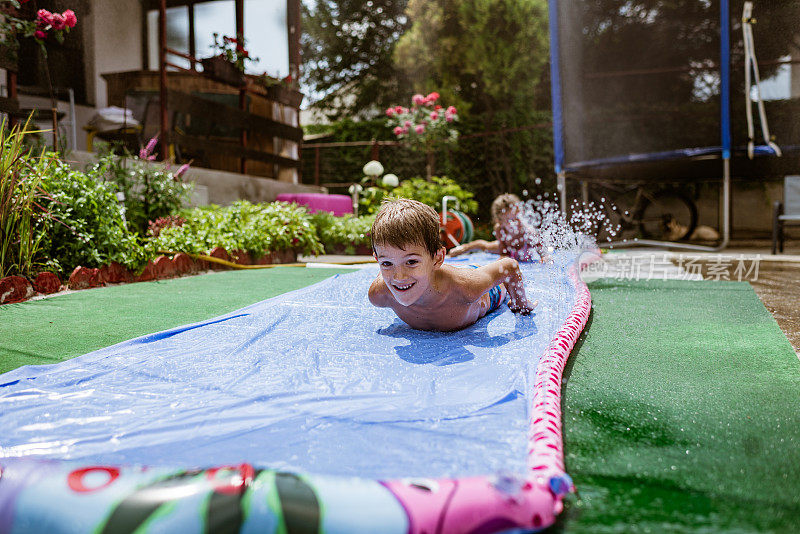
(390, 112)
(432, 97)
(45, 16)
(437, 107)
(434, 116)
(407, 124)
(451, 110)
(58, 22)
(398, 109)
(69, 18)
(146, 151)
(419, 128)
(398, 130)
(418, 99)
(181, 170)
(449, 118)
(405, 130)
(39, 34)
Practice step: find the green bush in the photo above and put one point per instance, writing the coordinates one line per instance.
(371, 198)
(431, 193)
(84, 224)
(342, 234)
(254, 228)
(150, 191)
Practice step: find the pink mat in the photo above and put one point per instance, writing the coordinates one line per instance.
(336, 204)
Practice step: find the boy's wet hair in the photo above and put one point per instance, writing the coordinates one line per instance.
(402, 222)
(503, 204)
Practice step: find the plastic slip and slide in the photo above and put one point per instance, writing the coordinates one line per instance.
(318, 410)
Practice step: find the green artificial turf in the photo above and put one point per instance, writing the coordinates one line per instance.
(680, 406)
(64, 326)
(682, 412)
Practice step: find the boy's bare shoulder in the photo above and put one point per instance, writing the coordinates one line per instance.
(468, 283)
(379, 293)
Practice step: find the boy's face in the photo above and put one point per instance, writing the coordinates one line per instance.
(407, 271)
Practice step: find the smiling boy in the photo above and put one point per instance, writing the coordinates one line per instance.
(422, 290)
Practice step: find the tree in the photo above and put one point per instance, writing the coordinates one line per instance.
(481, 55)
(349, 44)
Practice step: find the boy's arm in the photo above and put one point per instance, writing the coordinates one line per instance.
(378, 293)
(506, 271)
(479, 244)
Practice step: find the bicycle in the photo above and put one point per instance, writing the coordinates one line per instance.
(639, 210)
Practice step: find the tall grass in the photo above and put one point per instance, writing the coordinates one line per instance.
(20, 189)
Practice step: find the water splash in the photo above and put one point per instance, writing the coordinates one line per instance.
(539, 225)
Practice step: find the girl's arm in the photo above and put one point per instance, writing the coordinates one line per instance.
(478, 244)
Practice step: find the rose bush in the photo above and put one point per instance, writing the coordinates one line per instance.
(426, 124)
(44, 25)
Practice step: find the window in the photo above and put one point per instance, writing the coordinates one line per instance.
(265, 32)
(177, 36)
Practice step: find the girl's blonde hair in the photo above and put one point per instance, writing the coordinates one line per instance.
(503, 204)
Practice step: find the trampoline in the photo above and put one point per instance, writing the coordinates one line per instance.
(311, 411)
(656, 92)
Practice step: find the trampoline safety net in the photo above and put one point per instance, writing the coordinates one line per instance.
(645, 79)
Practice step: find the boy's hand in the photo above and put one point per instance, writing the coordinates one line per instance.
(522, 309)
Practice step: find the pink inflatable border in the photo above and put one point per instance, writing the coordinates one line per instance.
(490, 504)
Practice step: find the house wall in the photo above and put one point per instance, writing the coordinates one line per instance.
(114, 42)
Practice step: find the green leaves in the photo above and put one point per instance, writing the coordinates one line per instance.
(254, 228)
(342, 234)
(431, 193)
(23, 201)
(349, 45)
(151, 191)
(484, 55)
(83, 223)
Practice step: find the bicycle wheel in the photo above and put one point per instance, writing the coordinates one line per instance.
(667, 215)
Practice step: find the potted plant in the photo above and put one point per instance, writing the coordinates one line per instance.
(227, 65)
(280, 89)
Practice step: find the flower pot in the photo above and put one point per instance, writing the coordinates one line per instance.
(285, 95)
(220, 69)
